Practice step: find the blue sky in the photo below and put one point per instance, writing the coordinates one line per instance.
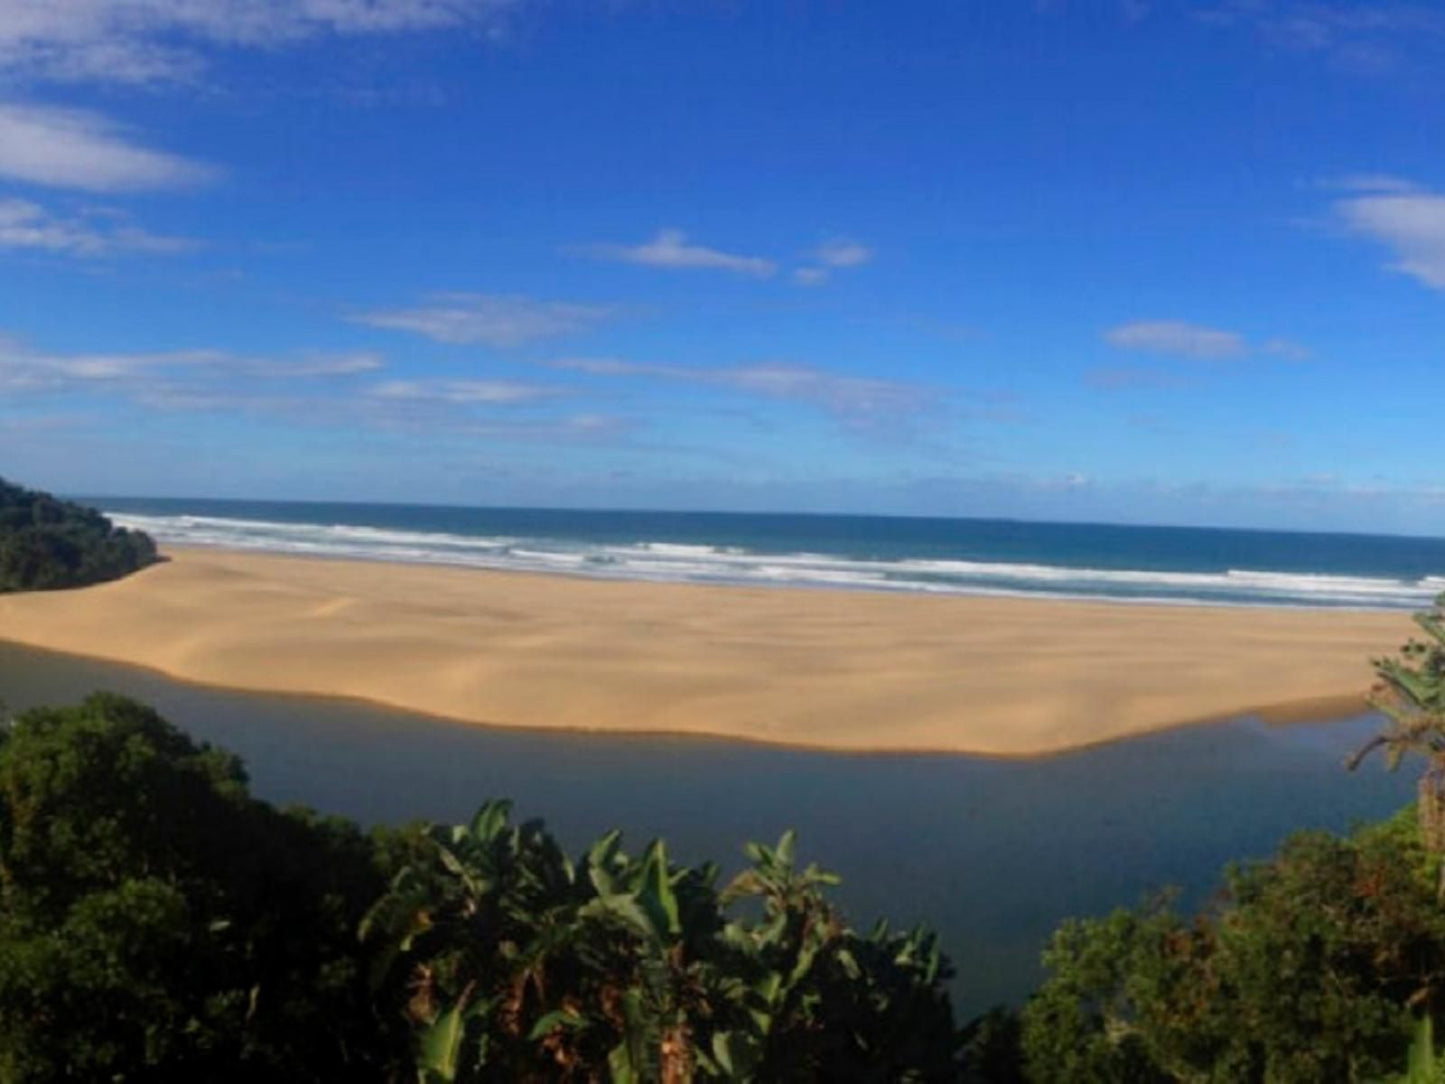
(1128, 261)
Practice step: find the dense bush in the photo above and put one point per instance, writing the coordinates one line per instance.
(47, 543)
(1311, 966)
(157, 921)
(526, 966)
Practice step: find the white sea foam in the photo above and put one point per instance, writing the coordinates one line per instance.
(691, 562)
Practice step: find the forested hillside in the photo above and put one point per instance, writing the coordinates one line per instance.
(47, 543)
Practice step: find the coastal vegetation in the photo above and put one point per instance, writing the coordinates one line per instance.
(1320, 963)
(46, 543)
(1410, 692)
(1314, 965)
(156, 921)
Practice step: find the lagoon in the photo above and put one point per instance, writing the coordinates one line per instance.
(991, 853)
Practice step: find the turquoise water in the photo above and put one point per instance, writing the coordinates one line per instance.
(934, 556)
(991, 853)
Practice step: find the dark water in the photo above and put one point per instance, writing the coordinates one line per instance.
(938, 556)
(991, 853)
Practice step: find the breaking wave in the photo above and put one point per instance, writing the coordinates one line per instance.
(698, 563)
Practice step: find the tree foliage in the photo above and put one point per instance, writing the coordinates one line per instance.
(157, 921)
(525, 965)
(1410, 691)
(1311, 966)
(47, 543)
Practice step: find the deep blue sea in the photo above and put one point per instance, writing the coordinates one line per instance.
(878, 553)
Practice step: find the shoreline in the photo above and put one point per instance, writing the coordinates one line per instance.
(816, 669)
(619, 546)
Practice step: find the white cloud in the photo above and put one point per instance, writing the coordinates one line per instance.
(841, 252)
(142, 41)
(309, 388)
(1287, 349)
(24, 370)
(1367, 37)
(465, 408)
(1177, 338)
(859, 402)
(316, 365)
(462, 392)
(493, 319)
(1369, 182)
(68, 148)
(575, 428)
(836, 255)
(1408, 222)
(850, 396)
(671, 249)
(27, 225)
(148, 374)
(619, 367)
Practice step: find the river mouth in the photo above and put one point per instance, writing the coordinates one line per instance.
(991, 853)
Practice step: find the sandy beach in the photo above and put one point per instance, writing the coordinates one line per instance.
(826, 669)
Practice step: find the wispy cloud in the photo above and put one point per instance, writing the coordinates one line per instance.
(145, 41)
(1363, 36)
(69, 148)
(23, 370)
(671, 249)
(1407, 219)
(858, 402)
(499, 320)
(604, 429)
(1178, 338)
(308, 366)
(315, 389)
(841, 252)
(1284, 349)
(1120, 377)
(462, 392)
(837, 254)
(28, 225)
(1368, 182)
(490, 410)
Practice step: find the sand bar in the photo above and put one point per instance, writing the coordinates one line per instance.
(828, 669)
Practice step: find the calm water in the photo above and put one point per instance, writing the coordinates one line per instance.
(941, 556)
(991, 853)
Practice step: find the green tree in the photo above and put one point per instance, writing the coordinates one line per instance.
(1311, 966)
(822, 1001)
(1410, 691)
(155, 921)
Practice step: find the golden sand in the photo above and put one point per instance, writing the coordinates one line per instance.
(830, 669)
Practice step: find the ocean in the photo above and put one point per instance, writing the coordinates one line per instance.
(874, 553)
